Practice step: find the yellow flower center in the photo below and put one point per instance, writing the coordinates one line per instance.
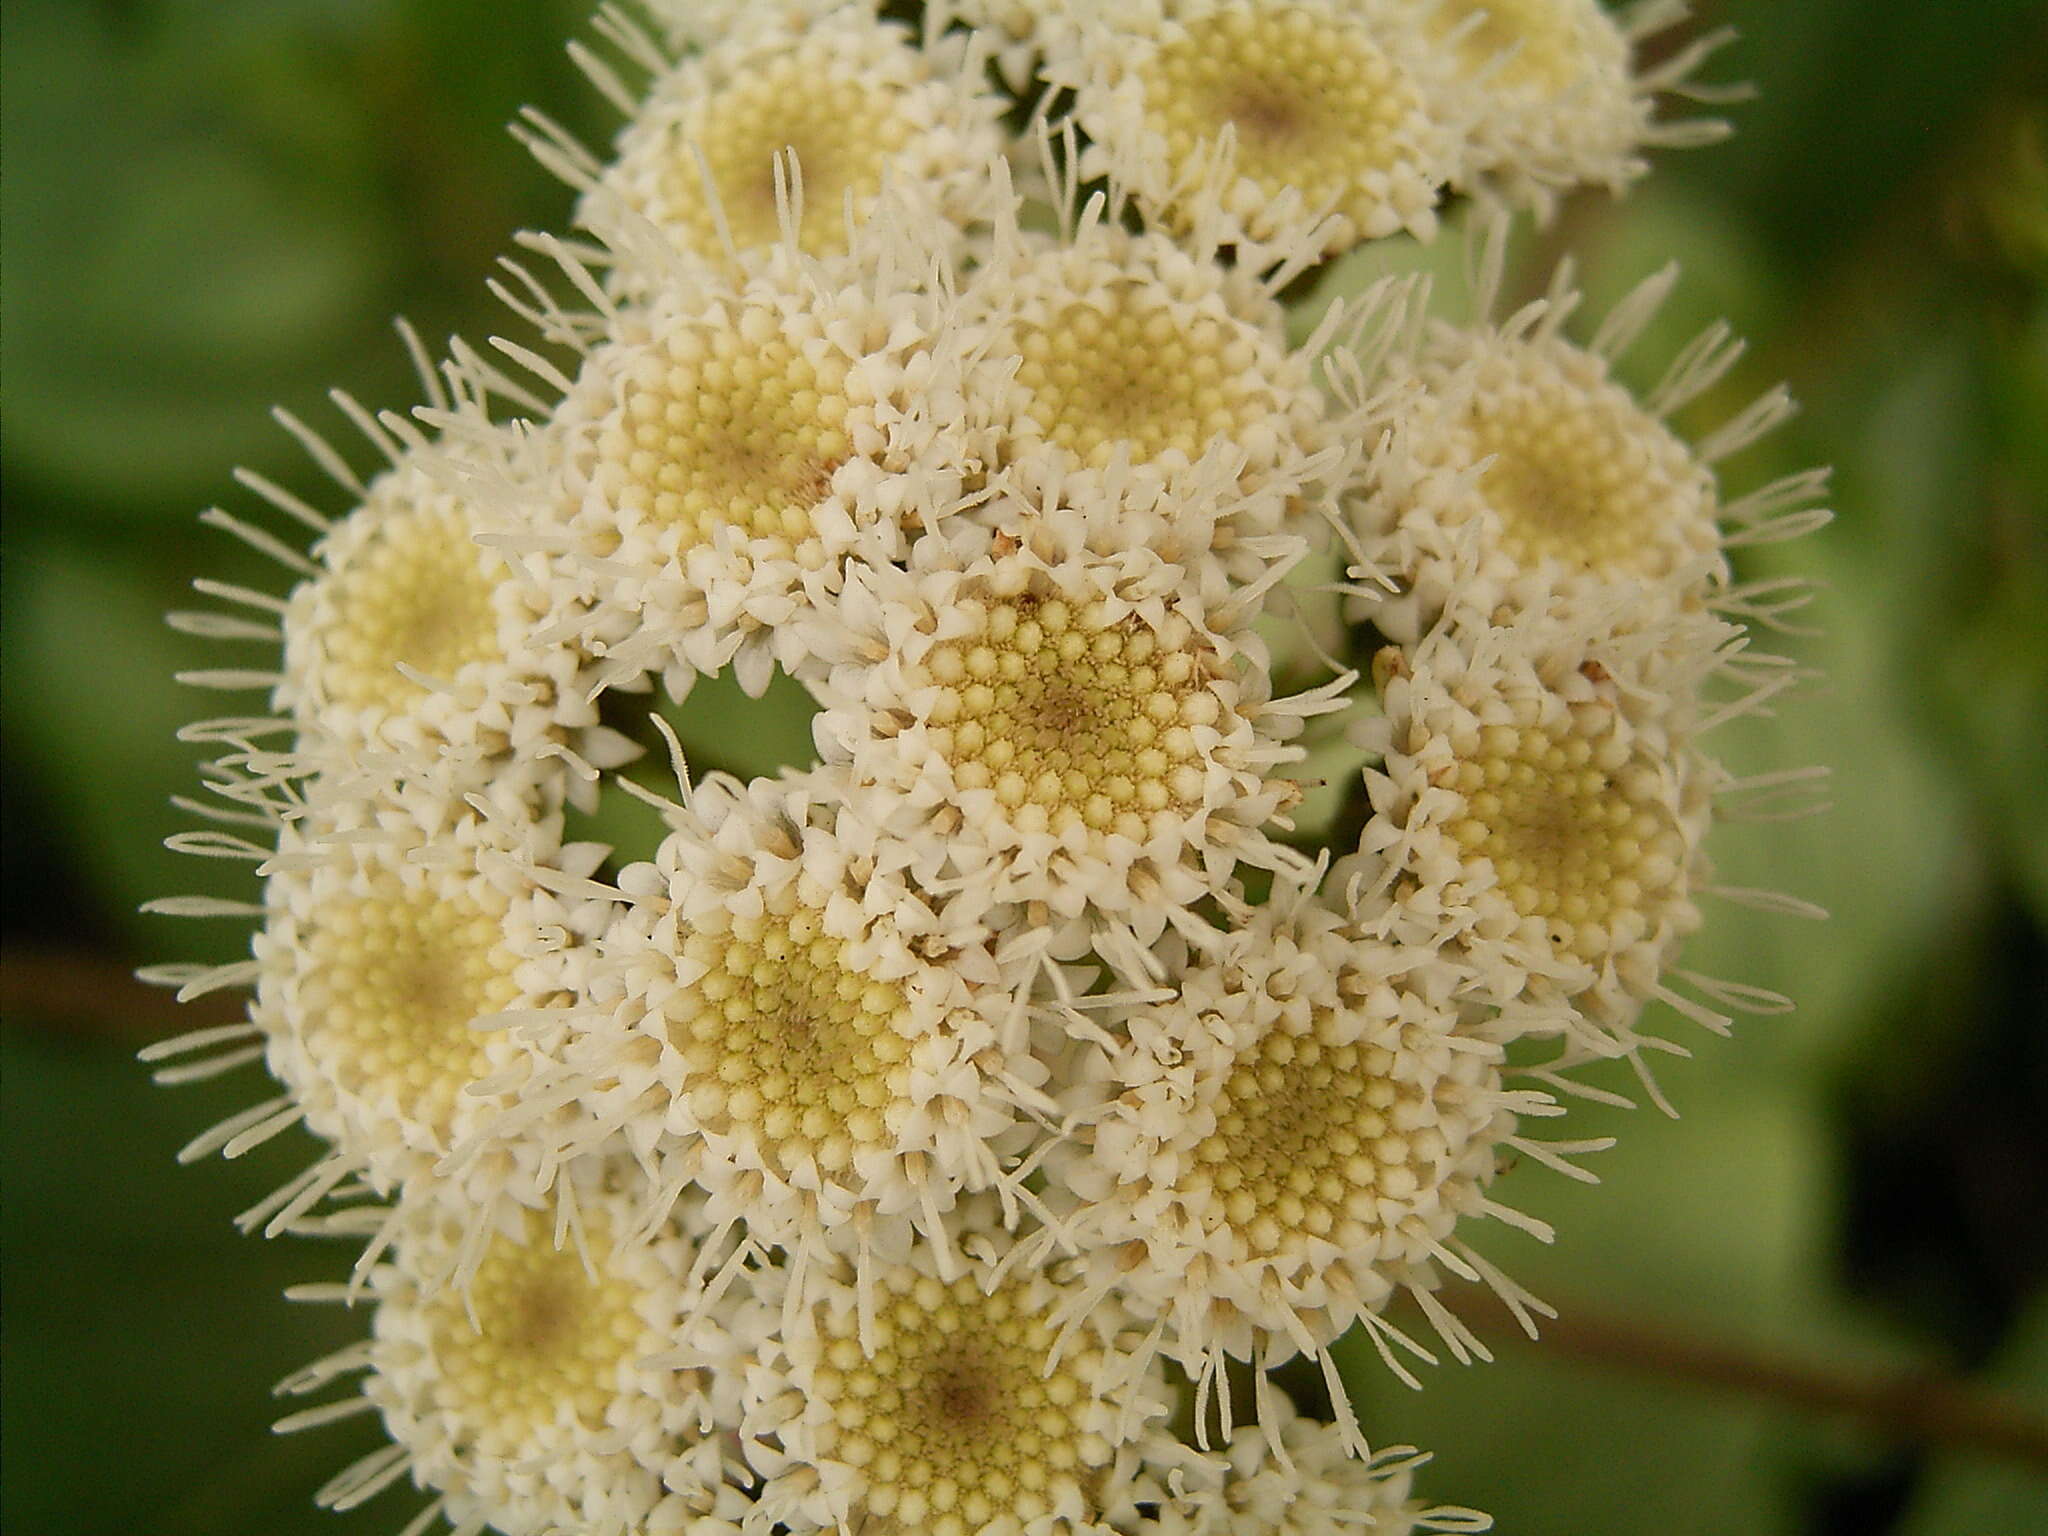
(953, 1422)
(842, 128)
(1317, 1139)
(389, 983)
(784, 1039)
(548, 1340)
(736, 425)
(418, 591)
(1074, 721)
(1579, 832)
(1584, 475)
(1315, 104)
(1122, 368)
(1546, 53)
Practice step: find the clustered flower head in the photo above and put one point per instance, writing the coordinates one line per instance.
(951, 1133)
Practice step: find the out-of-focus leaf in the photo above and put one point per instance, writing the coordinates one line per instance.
(1977, 1496)
(139, 1398)
(91, 707)
(1995, 675)
(1714, 1223)
(153, 262)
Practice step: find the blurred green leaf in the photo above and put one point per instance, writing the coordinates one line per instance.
(1963, 1495)
(91, 706)
(139, 1398)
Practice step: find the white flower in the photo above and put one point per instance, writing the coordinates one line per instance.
(1278, 126)
(1540, 813)
(572, 1383)
(407, 936)
(1134, 355)
(1553, 96)
(1291, 1476)
(953, 1407)
(1062, 729)
(1518, 471)
(854, 98)
(798, 1030)
(1287, 1141)
(728, 442)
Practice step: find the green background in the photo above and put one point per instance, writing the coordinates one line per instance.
(211, 207)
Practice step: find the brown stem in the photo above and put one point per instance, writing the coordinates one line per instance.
(1920, 1407)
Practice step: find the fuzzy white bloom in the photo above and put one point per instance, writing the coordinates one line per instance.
(1540, 812)
(1519, 472)
(1272, 125)
(728, 443)
(407, 936)
(853, 98)
(1138, 360)
(1075, 733)
(571, 1383)
(1293, 1137)
(798, 1030)
(1553, 97)
(1291, 1476)
(954, 1407)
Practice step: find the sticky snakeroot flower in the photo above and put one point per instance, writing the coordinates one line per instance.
(549, 1393)
(797, 1031)
(1287, 1142)
(1291, 1476)
(1251, 120)
(1552, 96)
(1540, 815)
(1060, 730)
(942, 1408)
(406, 934)
(729, 441)
(855, 99)
(1519, 470)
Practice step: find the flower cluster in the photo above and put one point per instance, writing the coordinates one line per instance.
(951, 1133)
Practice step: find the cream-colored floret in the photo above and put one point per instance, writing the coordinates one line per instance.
(1269, 126)
(853, 97)
(952, 1407)
(543, 1387)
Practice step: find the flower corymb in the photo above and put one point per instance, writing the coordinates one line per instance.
(1260, 748)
